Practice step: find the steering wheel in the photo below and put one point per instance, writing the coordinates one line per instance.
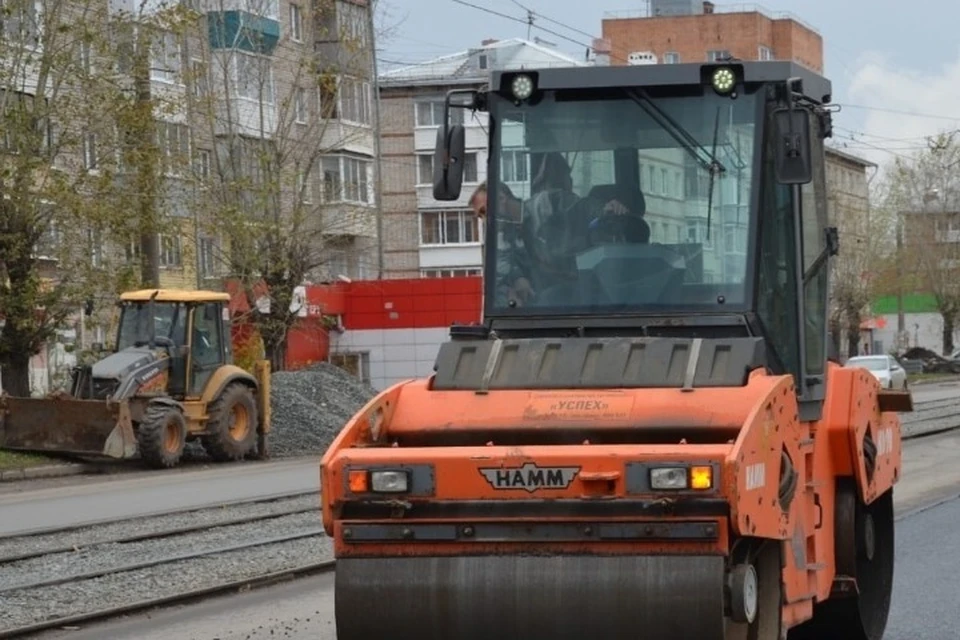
(620, 228)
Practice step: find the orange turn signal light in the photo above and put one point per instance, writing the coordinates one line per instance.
(701, 477)
(357, 480)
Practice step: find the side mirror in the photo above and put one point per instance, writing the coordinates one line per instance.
(792, 163)
(448, 180)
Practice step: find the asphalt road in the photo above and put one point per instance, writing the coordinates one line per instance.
(924, 601)
(92, 502)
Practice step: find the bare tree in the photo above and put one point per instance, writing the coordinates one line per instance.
(62, 204)
(926, 192)
(865, 250)
(288, 189)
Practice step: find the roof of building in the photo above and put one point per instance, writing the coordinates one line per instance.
(465, 67)
(849, 156)
(175, 295)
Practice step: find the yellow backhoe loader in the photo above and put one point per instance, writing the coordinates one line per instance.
(170, 378)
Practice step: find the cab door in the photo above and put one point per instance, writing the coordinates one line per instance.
(206, 345)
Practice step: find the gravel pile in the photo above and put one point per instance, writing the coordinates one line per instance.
(311, 406)
(19, 608)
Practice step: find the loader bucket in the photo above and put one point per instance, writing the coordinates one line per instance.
(93, 428)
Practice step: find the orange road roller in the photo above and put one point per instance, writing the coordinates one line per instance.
(646, 436)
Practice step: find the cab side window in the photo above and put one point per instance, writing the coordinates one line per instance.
(207, 339)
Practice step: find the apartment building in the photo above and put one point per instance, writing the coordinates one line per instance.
(676, 31)
(261, 107)
(424, 237)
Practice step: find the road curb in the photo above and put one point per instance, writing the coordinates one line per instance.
(43, 471)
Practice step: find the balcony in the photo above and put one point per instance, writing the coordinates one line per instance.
(243, 30)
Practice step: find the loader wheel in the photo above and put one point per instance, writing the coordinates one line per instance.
(865, 551)
(161, 436)
(232, 426)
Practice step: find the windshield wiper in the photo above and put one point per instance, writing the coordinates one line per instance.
(716, 131)
(706, 159)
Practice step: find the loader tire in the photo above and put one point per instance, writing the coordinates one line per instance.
(232, 426)
(161, 436)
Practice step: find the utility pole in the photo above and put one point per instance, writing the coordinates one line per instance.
(377, 160)
(144, 140)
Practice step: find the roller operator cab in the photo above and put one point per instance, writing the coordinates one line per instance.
(645, 436)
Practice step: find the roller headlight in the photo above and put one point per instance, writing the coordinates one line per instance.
(723, 80)
(522, 87)
(389, 481)
(668, 478)
(696, 478)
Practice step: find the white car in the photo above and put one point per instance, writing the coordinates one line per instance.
(885, 368)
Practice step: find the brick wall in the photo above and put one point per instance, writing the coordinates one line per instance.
(692, 36)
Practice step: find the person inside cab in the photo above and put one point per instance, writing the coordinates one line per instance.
(559, 224)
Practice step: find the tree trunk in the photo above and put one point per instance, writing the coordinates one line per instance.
(948, 322)
(833, 338)
(853, 338)
(275, 350)
(16, 376)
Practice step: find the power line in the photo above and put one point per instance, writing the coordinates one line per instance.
(551, 20)
(901, 112)
(522, 21)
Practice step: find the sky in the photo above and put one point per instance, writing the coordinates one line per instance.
(895, 66)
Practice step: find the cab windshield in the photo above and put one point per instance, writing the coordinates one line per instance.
(169, 320)
(633, 202)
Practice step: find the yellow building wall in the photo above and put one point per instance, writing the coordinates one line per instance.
(184, 275)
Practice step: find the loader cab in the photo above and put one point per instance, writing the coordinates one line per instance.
(190, 326)
(720, 168)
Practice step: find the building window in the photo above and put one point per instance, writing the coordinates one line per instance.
(449, 273)
(356, 180)
(90, 151)
(514, 166)
(173, 142)
(425, 168)
(165, 57)
(430, 114)
(355, 101)
(300, 105)
(449, 227)
(671, 57)
(23, 23)
(95, 244)
(296, 23)
(356, 364)
(764, 53)
(346, 179)
(207, 260)
(201, 164)
(304, 191)
(264, 8)
(87, 56)
(198, 72)
(254, 77)
(352, 23)
(170, 251)
(718, 55)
